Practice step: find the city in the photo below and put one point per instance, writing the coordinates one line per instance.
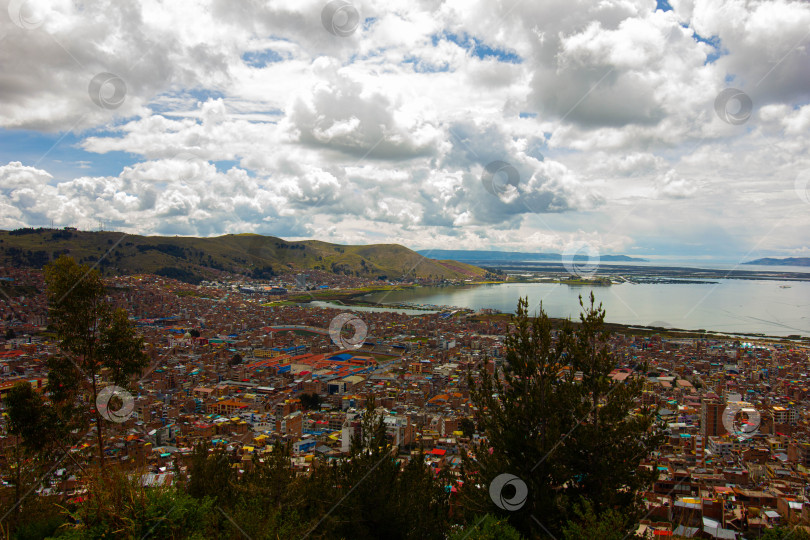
(237, 370)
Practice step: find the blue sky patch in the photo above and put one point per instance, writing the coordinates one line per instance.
(260, 59)
(714, 42)
(60, 154)
(168, 102)
(225, 165)
(478, 48)
(420, 66)
(663, 5)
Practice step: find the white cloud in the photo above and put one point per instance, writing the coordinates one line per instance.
(250, 116)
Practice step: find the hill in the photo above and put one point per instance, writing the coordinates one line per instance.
(787, 261)
(193, 259)
(462, 255)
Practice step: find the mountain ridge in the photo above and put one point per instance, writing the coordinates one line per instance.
(490, 255)
(193, 259)
(786, 261)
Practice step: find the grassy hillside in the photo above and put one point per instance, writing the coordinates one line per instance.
(190, 259)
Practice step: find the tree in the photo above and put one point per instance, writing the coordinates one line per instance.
(372, 494)
(488, 528)
(467, 427)
(551, 439)
(211, 474)
(119, 507)
(10, 334)
(614, 426)
(39, 434)
(235, 360)
(92, 336)
(609, 525)
(523, 409)
(785, 533)
(310, 401)
(25, 412)
(266, 502)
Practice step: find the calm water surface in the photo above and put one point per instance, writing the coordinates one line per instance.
(730, 305)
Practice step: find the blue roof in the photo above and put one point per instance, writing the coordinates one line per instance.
(341, 357)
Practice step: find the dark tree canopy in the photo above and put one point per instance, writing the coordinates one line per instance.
(310, 401)
(92, 337)
(554, 418)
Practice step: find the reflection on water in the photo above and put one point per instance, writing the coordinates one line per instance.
(777, 308)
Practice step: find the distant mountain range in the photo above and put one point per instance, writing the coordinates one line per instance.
(193, 259)
(462, 255)
(787, 261)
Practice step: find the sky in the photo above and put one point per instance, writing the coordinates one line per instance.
(656, 129)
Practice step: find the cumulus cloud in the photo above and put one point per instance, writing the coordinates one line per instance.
(252, 117)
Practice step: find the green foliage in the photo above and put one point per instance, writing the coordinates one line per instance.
(92, 336)
(310, 401)
(615, 428)
(785, 533)
(266, 501)
(609, 525)
(565, 439)
(467, 427)
(27, 415)
(372, 494)
(488, 528)
(118, 507)
(42, 518)
(211, 474)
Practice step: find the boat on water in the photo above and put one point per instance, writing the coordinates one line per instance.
(784, 286)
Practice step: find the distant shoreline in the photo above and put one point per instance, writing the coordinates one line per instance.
(645, 271)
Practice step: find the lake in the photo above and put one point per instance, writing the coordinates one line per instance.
(730, 305)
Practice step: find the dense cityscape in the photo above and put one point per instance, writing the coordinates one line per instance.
(234, 366)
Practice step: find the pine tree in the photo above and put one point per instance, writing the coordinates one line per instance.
(615, 433)
(562, 441)
(523, 409)
(373, 494)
